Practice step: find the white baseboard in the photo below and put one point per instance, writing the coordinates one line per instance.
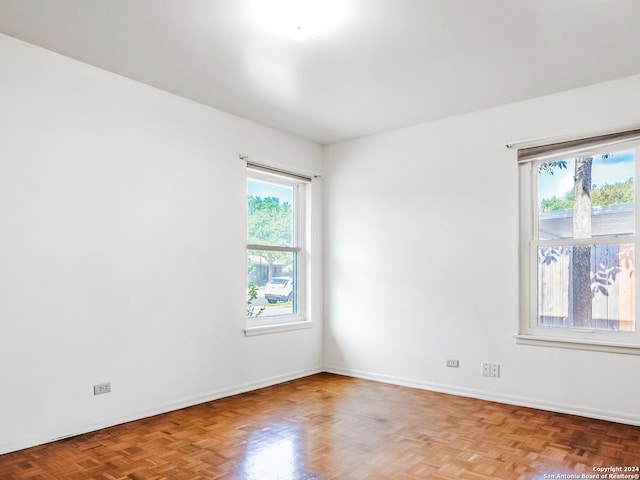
(50, 436)
(607, 415)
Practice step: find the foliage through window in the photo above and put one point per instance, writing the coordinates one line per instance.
(274, 253)
(578, 252)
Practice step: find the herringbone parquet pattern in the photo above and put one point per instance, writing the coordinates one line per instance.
(332, 427)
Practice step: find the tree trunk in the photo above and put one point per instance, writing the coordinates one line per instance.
(581, 272)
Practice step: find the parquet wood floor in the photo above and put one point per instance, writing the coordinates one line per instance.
(333, 427)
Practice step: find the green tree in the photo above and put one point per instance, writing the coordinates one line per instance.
(614, 194)
(555, 203)
(270, 222)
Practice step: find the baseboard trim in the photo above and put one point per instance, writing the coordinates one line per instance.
(607, 415)
(51, 436)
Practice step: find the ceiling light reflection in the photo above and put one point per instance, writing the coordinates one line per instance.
(297, 19)
(273, 453)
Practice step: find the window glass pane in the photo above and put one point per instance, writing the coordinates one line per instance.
(587, 197)
(269, 214)
(587, 286)
(271, 285)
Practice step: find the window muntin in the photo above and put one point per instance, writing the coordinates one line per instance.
(581, 243)
(274, 249)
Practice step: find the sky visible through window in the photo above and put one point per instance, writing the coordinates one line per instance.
(256, 188)
(619, 167)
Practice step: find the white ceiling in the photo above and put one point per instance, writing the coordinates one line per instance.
(382, 64)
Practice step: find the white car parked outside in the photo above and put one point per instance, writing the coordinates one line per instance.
(279, 289)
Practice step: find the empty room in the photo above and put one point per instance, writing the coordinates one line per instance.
(319, 239)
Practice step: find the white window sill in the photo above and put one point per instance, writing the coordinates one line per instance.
(579, 344)
(276, 328)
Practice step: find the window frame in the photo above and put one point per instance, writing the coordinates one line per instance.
(529, 332)
(299, 319)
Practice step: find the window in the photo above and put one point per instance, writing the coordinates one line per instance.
(578, 223)
(275, 249)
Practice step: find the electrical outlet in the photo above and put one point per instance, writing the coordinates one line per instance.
(452, 363)
(490, 369)
(101, 388)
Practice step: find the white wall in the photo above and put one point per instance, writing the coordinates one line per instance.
(122, 250)
(122, 258)
(421, 258)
